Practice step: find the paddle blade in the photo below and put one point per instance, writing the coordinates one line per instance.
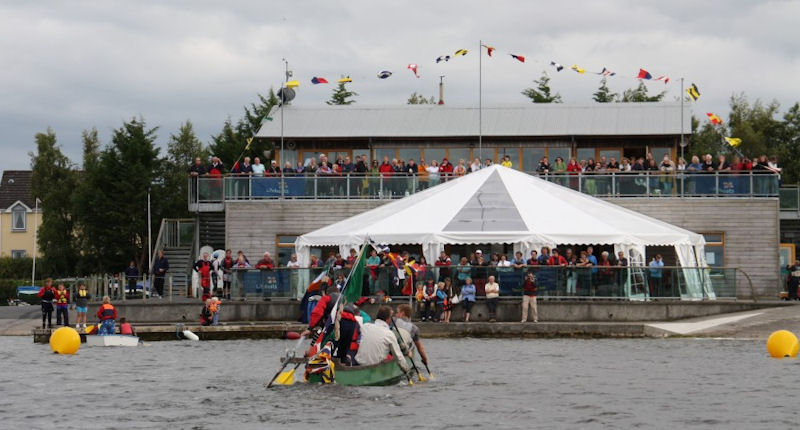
(285, 378)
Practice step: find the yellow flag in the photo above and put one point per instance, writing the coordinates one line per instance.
(344, 80)
(462, 52)
(578, 69)
(292, 84)
(249, 141)
(733, 141)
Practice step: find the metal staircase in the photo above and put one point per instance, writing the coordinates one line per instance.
(212, 229)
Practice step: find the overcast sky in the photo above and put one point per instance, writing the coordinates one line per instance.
(77, 64)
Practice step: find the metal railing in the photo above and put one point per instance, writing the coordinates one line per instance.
(790, 198)
(606, 282)
(384, 186)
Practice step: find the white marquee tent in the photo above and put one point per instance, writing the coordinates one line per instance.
(502, 205)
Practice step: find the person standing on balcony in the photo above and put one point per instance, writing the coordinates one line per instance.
(475, 166)
(460, 169)
(446, 170)
(257, 169)
(544, 166)
(411, 170)
(216, 168)
(433, 173)
(507, 162)
(667, 175)
(160, 268)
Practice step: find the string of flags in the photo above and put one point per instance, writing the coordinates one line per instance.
(692, 91)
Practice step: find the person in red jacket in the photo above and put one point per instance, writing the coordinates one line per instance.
(47, 294)
(445, 170)
(266, 262)
(556, 259)
(203, 269)
(349, 336)
(107, 314)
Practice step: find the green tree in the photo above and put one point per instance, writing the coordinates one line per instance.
(114, 202)
(231, 141)
(789, 145)
(640, 94)
(182, 148)
(91, 147)
(755, 124)
(418, 99)
(705, 140)
(604, 94)
(342, 96)
(542, 93)
(53, 181)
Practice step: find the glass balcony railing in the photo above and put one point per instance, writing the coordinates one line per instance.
(603, 282)
(790, 199)
(359, 186)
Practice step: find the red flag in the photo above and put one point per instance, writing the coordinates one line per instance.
(317, 80)
(644, 74)
(716, 120)
(519, 58)
(489, 49)
(413, 68)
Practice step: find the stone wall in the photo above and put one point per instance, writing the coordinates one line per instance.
(750, 227)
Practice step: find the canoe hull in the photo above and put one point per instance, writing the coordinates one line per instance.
(381, 374)
(112, 340)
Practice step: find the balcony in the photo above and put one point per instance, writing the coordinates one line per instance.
(210, 193)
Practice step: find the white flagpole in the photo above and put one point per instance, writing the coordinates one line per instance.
(682, 144)
(480, 100)
(35, 231)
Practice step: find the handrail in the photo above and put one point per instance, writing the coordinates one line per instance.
(159, 243)
(749, 281)
(359, 186)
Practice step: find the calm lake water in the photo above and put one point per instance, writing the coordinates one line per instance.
(674, 383)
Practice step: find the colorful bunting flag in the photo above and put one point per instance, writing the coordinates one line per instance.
(606, 72)
(694, 93)
(315, 80)
(249, 141)
(344, 80)
(733, 141)
(384, 74)
(644, 74)
(441, 58)
(558, 67)
(662, 78)
(578, 69)
(716, 120)
(519, 58)
(489, 49)
(413, 68)
(292, 84)
(461, 52)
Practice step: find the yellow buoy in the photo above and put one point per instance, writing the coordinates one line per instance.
(65, 340)
(782, 343)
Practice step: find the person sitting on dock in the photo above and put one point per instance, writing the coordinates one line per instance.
(207, 314)
(378, 342)
(126, 328)
(429, 301)
(107, 314)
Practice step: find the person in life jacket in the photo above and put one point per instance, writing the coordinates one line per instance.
(203, 268)
(82, 298)
(107, 314)
(47, 293)
(62, 305)
(319, 316)
(207, 313)
(349, 336)
(126, 328)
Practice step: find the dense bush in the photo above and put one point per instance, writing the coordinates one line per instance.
(18, 268)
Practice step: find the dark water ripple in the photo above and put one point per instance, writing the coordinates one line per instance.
(498, 384)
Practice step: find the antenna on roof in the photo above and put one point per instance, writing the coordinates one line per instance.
(441, 89)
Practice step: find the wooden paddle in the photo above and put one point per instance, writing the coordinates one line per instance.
(414, 365)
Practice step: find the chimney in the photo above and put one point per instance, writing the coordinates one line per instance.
(441, 90)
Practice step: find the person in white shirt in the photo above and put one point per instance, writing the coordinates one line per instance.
(258, 168)
(293, 263)
(378, 341)
(492, 289)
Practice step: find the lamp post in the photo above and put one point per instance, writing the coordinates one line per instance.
(35, 231)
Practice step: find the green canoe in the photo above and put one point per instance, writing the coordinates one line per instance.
(386, 373)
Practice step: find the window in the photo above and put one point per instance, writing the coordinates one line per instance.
(18, 218)
(552, 153)
(385, 152)
(434, 154)
(456, 154)
(285, 248)
(658, 153)
(289, 155)
(531, 158)
(715, 249)
(608, 153)
(408, 153)
(585, 154)
(18, 253)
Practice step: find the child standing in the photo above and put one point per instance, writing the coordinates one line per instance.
(215, 308)
(47, 294)
(206, 315)
(62, 305)
(82, 304)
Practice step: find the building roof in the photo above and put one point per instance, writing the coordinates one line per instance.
(597, 119)
(15, 185)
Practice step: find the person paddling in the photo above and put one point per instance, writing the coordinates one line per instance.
(107, 314)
